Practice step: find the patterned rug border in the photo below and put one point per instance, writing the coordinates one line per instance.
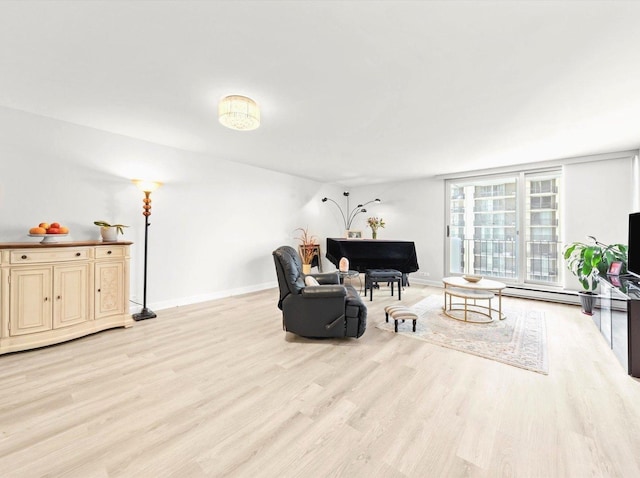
(544, 365)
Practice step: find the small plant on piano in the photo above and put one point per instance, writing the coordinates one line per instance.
(374, 223)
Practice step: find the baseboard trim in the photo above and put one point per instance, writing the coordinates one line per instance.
(195, 299)
(561, 296)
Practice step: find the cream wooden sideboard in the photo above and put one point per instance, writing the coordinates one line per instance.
(50, 293)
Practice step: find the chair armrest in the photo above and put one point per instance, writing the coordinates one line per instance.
(324, 291)
(326, 278)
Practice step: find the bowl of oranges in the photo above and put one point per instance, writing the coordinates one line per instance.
(49, 232)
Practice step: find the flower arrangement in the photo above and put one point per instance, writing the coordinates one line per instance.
(307, 245)
(374, 223)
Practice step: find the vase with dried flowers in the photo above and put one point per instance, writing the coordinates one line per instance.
(308, 249)
(374, 223)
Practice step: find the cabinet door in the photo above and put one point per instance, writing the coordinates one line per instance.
(70, 295)
(110, 298)
(30, 301)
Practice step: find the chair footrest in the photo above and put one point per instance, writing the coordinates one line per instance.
(404, 315)
(400, 311)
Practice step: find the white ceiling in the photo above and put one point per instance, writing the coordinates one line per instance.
(353, 92)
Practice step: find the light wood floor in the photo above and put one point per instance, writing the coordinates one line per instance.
(218, 389)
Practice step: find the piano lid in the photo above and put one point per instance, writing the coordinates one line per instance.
(373, 254)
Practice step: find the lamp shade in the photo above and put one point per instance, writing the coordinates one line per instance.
(239, 113)
(146, 186)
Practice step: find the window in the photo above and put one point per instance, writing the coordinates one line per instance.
(505, 227)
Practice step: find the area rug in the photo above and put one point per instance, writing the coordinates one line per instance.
(519, 340)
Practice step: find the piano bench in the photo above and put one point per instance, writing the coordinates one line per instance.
(374, 276)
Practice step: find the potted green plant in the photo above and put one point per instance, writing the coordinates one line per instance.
(588, 262)
(109, 232)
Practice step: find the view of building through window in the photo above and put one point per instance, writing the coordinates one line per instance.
(506, 227)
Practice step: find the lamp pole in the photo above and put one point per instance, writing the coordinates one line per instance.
(147, 187)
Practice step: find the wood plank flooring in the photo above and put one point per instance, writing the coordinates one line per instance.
(219, 390)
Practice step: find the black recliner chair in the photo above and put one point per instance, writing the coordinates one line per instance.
(326, 310)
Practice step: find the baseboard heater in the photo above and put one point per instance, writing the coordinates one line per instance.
(560, 296)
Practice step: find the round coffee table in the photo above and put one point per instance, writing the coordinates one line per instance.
(484, 289)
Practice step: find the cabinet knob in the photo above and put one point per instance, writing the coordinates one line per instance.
(77, 254)
(98, 290)
(24, 256)
(46, 299)
(59, 297)
(108, 252)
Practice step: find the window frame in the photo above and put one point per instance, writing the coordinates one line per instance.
(523, 213)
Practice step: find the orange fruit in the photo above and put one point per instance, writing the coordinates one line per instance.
(44, 225)
(64, 230)
(37, 230)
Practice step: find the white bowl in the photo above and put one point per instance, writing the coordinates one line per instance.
(472, 278)
(49, 238)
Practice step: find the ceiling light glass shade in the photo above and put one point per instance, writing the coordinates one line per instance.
(239, 112)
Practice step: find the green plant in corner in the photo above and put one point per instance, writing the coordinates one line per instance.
(588, 261)
(119, 227)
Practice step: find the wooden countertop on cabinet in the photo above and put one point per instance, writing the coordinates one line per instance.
(36, 245)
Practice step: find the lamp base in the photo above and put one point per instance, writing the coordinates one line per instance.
(145, 314)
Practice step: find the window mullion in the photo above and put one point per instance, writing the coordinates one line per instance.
(521, 228)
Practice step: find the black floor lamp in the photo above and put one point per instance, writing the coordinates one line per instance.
(147, 187)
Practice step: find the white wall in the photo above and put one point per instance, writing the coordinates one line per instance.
(214, 223)
(598, 197)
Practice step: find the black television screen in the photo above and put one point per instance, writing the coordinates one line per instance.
(633, 259)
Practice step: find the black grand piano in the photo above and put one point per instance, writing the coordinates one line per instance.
(374, 254)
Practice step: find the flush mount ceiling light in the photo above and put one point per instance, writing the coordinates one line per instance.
(239, 113)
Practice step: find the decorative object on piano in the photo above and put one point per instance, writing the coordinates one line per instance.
(307, 250)
(587, 262)
(375, 223)
(344, 265)
(353, 234)
(350, 213)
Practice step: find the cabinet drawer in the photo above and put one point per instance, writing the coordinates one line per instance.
(110, 251)
(30, 256)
